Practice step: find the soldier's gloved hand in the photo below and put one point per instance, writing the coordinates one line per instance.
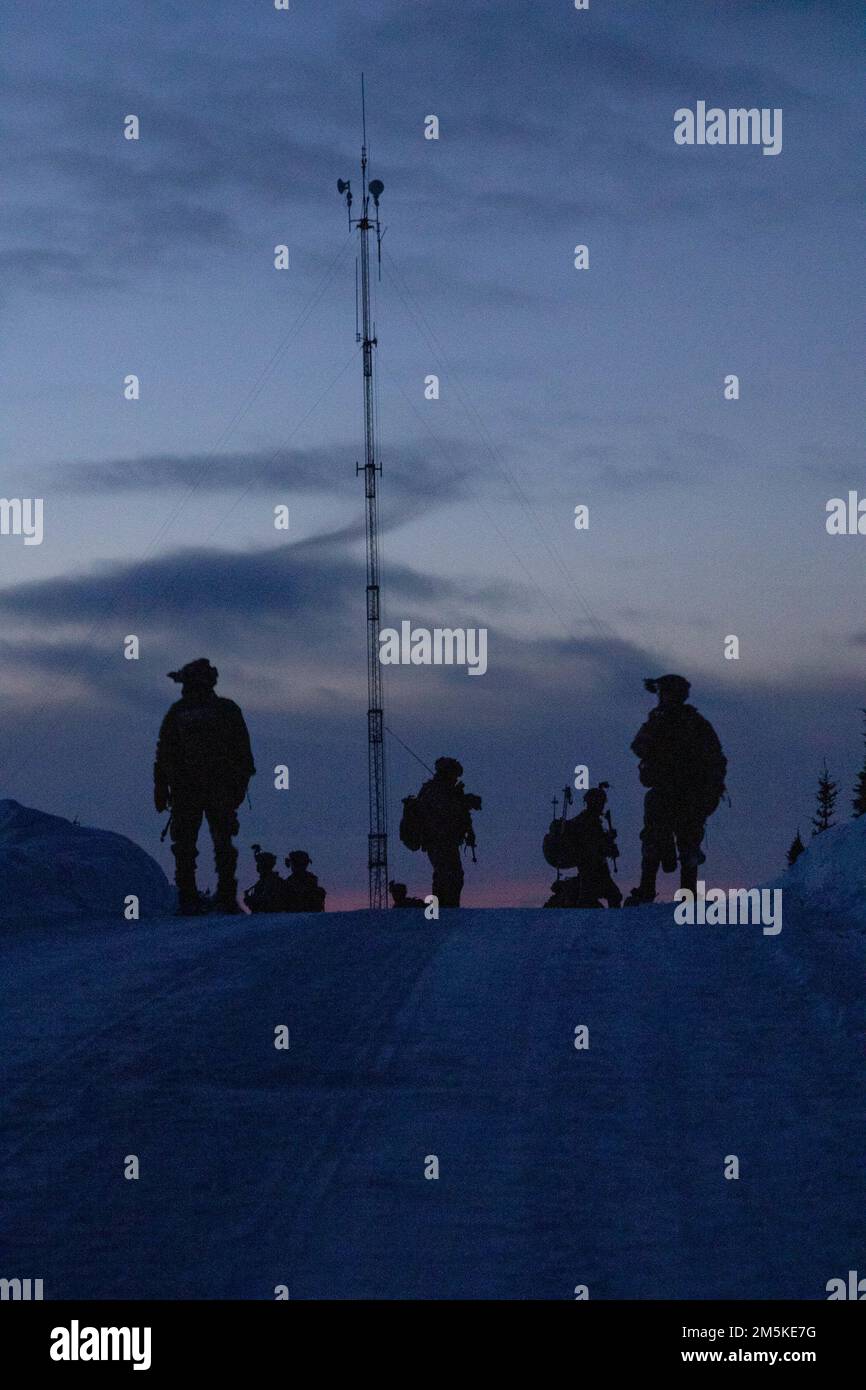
(161, 799)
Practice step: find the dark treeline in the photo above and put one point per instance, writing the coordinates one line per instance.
(826, 797)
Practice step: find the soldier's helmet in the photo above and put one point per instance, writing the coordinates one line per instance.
(264, 860)
(449, 767)
(298, 859)
(672, 687)
(198, 672)
(596, 798)
(398, 890)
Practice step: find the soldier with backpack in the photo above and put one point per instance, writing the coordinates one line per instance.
(595, 844)
(203, 765)
(683, 767)
(585, 843)
(268, 892)
(439, 821)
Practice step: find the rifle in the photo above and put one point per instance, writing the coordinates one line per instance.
(615, 855)
(471, 803)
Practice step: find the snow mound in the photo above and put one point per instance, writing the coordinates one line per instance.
(831, 873)
(51, 867)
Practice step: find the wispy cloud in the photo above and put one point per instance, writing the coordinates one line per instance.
(411, 473)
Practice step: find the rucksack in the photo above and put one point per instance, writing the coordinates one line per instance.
(681, 754)
(411, 824)
(560, 845)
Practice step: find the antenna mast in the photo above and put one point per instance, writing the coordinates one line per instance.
(377, 840)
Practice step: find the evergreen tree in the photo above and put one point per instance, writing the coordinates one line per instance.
(826, 802)
(860, 789)
(797, 848)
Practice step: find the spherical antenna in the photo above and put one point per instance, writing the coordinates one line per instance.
(341, 186)
(377, 188)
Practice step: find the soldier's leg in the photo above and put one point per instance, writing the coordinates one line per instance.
(609, 891)
(223, 824)
(447, 875)
(652, 839)
(185, 823)
(590, 886)
(689, 834)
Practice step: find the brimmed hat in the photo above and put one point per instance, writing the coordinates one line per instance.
(199, 672)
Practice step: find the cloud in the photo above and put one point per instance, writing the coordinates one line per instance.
(307, 596)
(227, 137)
(313, 575)
(411, 474)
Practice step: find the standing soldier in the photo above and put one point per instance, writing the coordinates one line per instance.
(682, 764)
(202, 768)
(442, 812)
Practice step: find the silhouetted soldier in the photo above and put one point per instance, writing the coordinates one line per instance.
(682, 764)
(398, 893)
(268, 892)
(202, 768)
(595, 844)
(301, 891)
(445, 812)
(584, 843)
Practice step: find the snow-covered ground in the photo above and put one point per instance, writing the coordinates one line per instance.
(557, 1167)
(52, 867)
(831, 875)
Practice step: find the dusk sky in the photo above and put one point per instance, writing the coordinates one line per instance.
(558, 387)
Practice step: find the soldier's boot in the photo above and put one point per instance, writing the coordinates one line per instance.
(689, 877)
(448, 878)
(646, 889)
(189, 902)
(226, 896)
(226, 900)
(613, 896)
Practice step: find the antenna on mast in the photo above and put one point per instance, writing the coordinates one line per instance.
(377, 839)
